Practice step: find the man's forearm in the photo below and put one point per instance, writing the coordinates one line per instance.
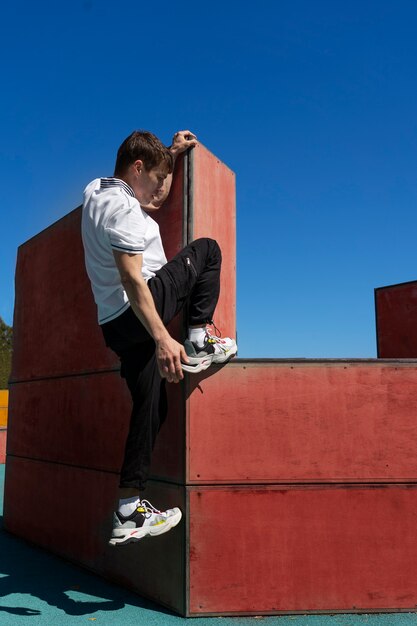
(142, 303)
(169, 353)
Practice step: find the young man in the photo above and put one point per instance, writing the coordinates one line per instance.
(138, 293)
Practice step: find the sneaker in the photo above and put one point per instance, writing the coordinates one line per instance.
(214, 350)
(145, 521)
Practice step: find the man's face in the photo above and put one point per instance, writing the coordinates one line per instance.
(150, 182)
(160, 196)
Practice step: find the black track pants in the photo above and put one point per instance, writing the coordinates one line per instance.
(192, 277)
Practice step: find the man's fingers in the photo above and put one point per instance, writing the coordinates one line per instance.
(169, 364)
(172, 371)
(168, 376)
(178, 369)
(186, 134)
(163, 371)
(184, 356)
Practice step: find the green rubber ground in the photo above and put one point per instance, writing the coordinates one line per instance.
(37, 588)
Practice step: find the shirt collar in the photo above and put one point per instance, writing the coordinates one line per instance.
(106, 183)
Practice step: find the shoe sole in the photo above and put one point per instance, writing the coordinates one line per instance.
(137, 534)
(199, 365)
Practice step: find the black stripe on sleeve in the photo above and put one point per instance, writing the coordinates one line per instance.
(124, 249)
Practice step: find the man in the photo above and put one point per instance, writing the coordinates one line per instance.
(138, 293)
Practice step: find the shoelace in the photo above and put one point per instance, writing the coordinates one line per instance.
(150, 506)
(216, 330)
(150, 509)
(216, 339)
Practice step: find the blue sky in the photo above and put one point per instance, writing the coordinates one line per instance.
(312, 104)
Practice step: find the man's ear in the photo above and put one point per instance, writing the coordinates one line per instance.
(138, 165)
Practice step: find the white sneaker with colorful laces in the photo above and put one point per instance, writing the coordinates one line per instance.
(145, 521)
(215, 350)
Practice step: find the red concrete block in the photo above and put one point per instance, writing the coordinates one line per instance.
(83, 421)
(77, 420)
(303, 421)
(396, 320)
(55, 321)
(3, 441)
(80, 526)
(302, 549)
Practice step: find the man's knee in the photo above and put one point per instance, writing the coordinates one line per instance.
(213, 248)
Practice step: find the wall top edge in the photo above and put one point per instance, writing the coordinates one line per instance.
(322, 361)
(407, 282)
(44, 230)
(237, 363)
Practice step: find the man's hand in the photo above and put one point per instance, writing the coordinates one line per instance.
(169, 354)
(182, 140)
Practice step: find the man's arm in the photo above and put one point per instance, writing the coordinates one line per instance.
(169, 353)
(181, 141)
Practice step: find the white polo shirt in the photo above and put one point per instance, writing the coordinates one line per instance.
(112, 219)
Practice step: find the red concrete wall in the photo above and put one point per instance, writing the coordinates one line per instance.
(55, 327)
(4, 403)
(3, 441)
(305, 421)
(302, 549)
(396, 321)
(83, 421)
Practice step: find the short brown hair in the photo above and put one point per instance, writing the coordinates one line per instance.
(144, 146)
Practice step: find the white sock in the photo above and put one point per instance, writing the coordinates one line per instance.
(197, 335)
(128, 505)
